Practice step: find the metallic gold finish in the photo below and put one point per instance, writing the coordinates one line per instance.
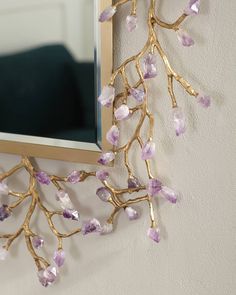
(118, 198)
(82, 154)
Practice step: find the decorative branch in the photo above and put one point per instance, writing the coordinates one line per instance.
(145, 64)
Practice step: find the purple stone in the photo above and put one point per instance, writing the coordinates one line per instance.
(4, 188)
(149, 65)
(154, 234)
(74, 177)
(71, 214)
(43, 177)
(154, 187)
(148, 150)
(113, 135)
(91, 226)
(102, 175)
(131, 23)
(104, 194)
(59, 257)
(204, 100)
(64, 200)
(107, 14)
(184, 38)
(179, 121)
(47, 276)
(131, 213)
(122, 112)
(3, 253)
(137, 94)
(4, 212)
(106, 158)
(37, 242)
(133, 182)
(193, 7)
(169, 194)
(107, 96)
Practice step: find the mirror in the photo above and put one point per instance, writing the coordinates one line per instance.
(51, 71)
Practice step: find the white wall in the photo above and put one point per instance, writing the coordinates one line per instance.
(42, 22)
(197, 253)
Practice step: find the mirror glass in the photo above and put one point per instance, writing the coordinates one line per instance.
(49, 69)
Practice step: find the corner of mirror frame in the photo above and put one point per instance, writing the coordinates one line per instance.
(85, 156)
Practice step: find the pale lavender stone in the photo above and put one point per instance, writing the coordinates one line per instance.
(37, 242)
(148, 150)
(169, 194)
(4, 189)
(204, 100)
(106, 158)
(91, 226)
(107, 96)
(4, 212)
(179, 121)
(107, 228)
(64, 200)
(104, 194)
(193, 7)
(102, 175)
(107, 13)
(149, 65)
(3, 254)
(113, 135)
(154, 234)
(74, 177)
(43, 177)
(47, 276)
(154, 187)
(131, 213)
(122, 112)
(184, 38)
(131, 22)
(137, 94)
(133, 182)
(71, 214)
(59, 257)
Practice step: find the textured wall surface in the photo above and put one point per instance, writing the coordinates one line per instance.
(197, 253)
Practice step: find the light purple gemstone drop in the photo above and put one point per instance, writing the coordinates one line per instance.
(184, 38)
(59, 257)
(91, 226)
(4, 212)
(154, 234)
(131, 23)
(107, 96)
(102, 175)
(47, 276)
(4, 188)
(3, 254)
(103, 193)
(193, 7)
(137, 94)
(131, 213)
(74, 177)
(37, 242)
(43, 178)
(71, 214)
(179, 121)
(204, 100)
(113, 135)
(64, 200)
(149, 65)
(148, 150)
(133, 182)
(107, 13)
(122, 112)
(169, 194)
(154, 187)
(106, 158)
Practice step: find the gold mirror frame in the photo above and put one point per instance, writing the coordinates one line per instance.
(118, 197)
(82, 152)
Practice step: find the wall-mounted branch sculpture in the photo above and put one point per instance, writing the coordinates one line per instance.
(145, 64)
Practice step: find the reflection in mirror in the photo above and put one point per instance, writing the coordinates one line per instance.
(48, 68)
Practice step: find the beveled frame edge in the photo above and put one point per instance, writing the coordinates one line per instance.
(73, 154)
